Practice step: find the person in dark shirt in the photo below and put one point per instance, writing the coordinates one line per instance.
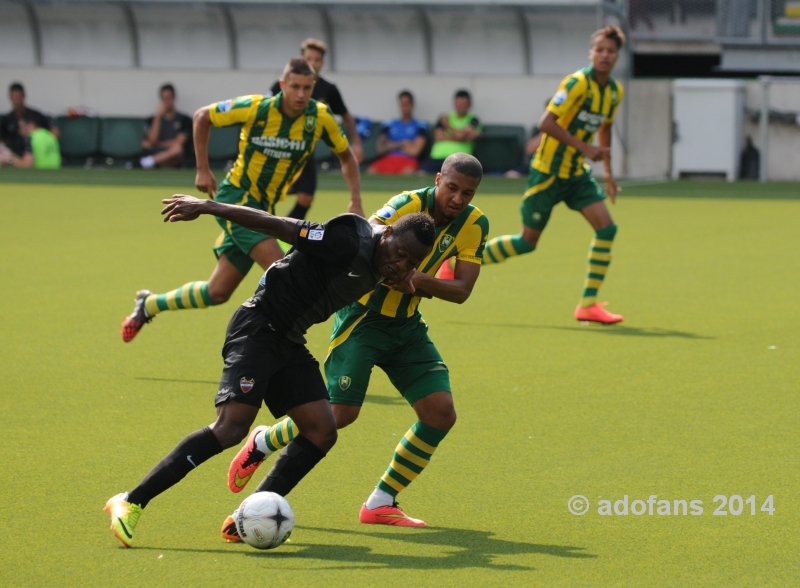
(330, 266)
(313, 51)
(9, 123)
(167, 133)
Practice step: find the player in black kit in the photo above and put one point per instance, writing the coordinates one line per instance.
(331, 265)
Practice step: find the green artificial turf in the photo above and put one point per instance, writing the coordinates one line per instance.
(694, 395)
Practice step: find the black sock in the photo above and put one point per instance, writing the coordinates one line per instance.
(294, 462)
(198, 447)
(299, 211)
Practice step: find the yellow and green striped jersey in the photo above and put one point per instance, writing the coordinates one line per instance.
(273, 148)
(581, 106)
(464, 237)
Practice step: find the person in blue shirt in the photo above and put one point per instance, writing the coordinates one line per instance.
(400, 141)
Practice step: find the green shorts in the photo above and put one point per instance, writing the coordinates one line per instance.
(236, 241)
(363, 338)
(545, 191)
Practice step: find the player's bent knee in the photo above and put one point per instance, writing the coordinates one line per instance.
(345, 414)
(324, 438)
(440, 414)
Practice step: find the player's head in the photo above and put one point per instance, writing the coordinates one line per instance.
(167, 95)
(462, 101)
(404, 245)
(457, 183)
(297, 84)
(313, 51)
(604, 48)
(16, 95)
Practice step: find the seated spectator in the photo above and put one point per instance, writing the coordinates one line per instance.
(41, 149)
(167, 133)
(454, 133)
(400, 141)
(9, 123)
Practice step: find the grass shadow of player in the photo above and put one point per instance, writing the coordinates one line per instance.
(469, 549)
(614, 330)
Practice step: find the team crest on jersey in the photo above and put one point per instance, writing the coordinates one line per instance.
(246, 385)
(344, 382)
(446, 241)
(311, 123)
(560, 97)
(224, 107)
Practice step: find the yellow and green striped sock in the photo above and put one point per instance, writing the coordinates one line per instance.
(280, 434)
(599, 260)
(191, 295)
(411, 456)
(501, 248)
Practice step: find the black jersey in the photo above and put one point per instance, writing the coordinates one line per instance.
(325, 92)
(330, 267)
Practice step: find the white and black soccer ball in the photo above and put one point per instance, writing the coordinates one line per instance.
(264, 520)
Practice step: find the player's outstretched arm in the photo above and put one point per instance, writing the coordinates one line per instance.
(456, 290)
(187, 208)
(353, 179)
(201, 130)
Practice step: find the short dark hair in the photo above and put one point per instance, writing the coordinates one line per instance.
(16, 86)
(314, 44)
(407, 94)
(299, 66)
(166, 87)
(419, 224)
(463, 94)
(612, 32)
(463, 163)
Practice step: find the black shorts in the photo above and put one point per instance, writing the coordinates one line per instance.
(262, 365)
(307, 182)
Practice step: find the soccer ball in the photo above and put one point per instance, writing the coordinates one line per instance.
(264, 520)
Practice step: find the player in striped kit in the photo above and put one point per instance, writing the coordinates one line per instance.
(278, 136)
(584, 105)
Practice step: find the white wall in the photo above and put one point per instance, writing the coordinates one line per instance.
(496, 99)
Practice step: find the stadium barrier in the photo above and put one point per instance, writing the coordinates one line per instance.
(118, 141)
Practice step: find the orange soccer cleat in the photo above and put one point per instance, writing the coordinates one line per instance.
(597, 314)
(229, 531)
(388, 515)
(138, 318)
(246, 462)
(446, 272)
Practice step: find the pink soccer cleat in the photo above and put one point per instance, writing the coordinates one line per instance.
(388, 515)
(597, 314)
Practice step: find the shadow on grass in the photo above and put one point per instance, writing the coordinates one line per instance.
(616, 330)
(466, 549)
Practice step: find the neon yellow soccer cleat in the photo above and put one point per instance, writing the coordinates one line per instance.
(124, 517)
